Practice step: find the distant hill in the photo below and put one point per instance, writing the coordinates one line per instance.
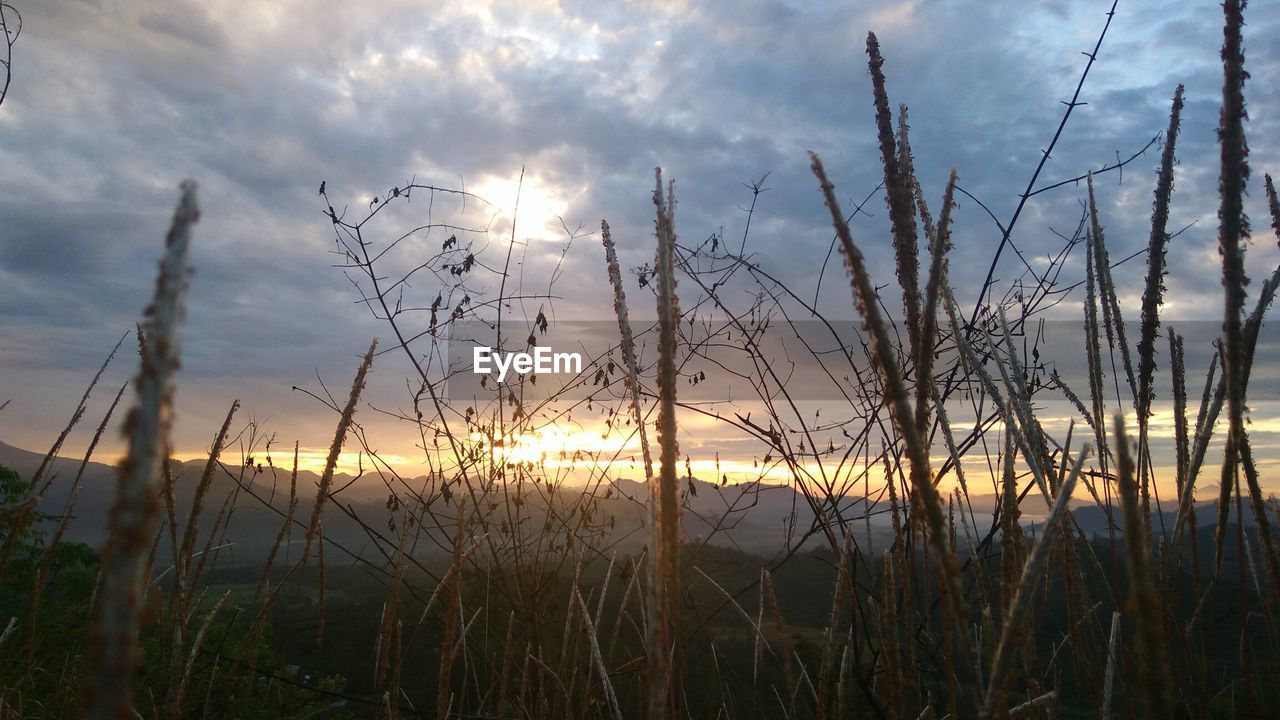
(252, 526)
(754, 518)
(1093, 520)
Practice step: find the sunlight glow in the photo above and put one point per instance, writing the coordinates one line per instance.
(534, 205)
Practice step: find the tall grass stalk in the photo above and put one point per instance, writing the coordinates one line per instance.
(38, 475)
(667, 555)
(627, 346)
(898, 195)
(1233, 230)
(896, 395)
(1093, 353)
(939, 245)
(313, 527)
(1145, 605)
(50, 553)
(1153, 292)
(1024, 590)
(114, 653)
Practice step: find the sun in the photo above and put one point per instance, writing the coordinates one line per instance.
(554, 446)
(534, 205)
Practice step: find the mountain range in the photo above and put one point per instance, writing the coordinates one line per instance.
(756, 518)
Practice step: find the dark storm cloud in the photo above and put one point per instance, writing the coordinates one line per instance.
(70, 243)
(114, 102)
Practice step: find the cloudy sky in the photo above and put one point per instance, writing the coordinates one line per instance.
(114, 102)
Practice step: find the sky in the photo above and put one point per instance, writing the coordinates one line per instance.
(114, 102)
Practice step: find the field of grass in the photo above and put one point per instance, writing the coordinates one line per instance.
(514, 587)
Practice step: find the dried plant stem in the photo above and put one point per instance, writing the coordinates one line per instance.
(668, 550)
(903, 416)
(906, 163)
(1093, 354)
(1108, 681)
(21, 514)
(1012, 411)
(38, 475)
(1233, 230)
(335, 449)
(628, 349)
(1182, 444)
(114, 651)
(285, 527)
(184, 674)
(183, 582)
(939, 245)
(610, 697)
(1145, 604)
(1025, 589)
(1033, 707)
(326, 481)
(202, 488)
(898, 196)
(50, 554)
(452, 587)
(1273, 205)
(1210, 407)
(1112, 320)
(1153, 294)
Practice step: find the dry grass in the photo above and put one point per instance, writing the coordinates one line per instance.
(525, 603)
